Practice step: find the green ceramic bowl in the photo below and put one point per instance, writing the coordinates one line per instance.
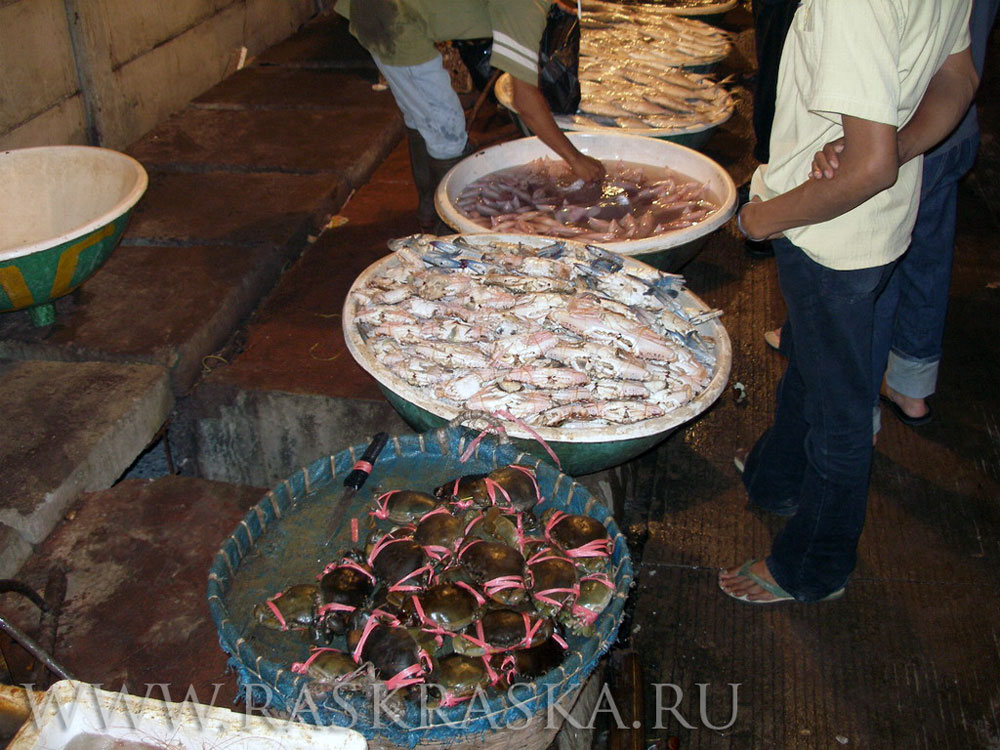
(580, 450)
(62, 211)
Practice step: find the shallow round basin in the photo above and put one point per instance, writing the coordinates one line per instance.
(668, 251)
(580, 450)
(695, 136)
(62, 211)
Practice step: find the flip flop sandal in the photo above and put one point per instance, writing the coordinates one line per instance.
(772, 588)
(901, 415)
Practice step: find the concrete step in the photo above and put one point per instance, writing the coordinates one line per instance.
(68, 428)
(136, 558)
(293, 392)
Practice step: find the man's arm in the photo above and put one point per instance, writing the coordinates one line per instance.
(534, 110)
(948, 97)
(943, 106)
(868, 165)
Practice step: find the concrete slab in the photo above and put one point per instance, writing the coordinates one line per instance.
(302, 142)
(139, 308)
(281, 87)
(136, 557)
(323, 42)
(276, 210)
(293, 392)
(70, 428)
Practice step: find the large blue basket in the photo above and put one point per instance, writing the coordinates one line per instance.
(277, 542)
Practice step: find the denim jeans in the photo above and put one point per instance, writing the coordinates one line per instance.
(918, 289)
(814, 460)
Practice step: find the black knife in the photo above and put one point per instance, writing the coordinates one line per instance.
(354, 480)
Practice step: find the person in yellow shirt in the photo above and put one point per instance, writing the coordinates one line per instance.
(892, 78)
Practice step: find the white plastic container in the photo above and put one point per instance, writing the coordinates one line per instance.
(78, 716)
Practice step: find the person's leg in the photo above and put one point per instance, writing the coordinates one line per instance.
(831, 321)
(924, 276)
(435, 123)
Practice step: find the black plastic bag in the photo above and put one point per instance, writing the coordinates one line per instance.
(475, 53)
(559, 61)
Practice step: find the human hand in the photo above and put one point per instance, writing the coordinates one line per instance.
(825, 162)
(587, 168)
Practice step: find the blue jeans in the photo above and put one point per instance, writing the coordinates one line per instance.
(814, 460)
(918, 289)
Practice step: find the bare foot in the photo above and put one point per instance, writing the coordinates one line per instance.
(912, 407)
(773, 338)
(737, 585)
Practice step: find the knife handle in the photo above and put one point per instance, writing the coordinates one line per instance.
(359, 473)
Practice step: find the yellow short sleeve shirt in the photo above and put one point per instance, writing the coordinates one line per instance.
(870, 59)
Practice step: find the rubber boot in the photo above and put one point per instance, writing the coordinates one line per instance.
(439, 168)
(423, 179)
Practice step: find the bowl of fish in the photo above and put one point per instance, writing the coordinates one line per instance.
(583, 355)
(710, 11)
(658, 203)
(640, 99)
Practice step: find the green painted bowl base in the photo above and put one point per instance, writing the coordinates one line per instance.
(576, 459)
(42, 315)
(672, 259)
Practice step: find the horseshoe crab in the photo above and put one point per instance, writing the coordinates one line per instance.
(502, 630)
(583, 538)
(291, 609)
(497, 568)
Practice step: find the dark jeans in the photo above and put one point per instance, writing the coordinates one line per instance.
(772, 18)
(917, 293)
(815, 458)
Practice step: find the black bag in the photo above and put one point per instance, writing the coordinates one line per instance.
(559, 61)
(475, 53)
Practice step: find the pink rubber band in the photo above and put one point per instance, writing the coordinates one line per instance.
(480, 599)
(277, 612)
(335, 607)
(507, 415)
(405, 677)
(303, 667)
(354, 530)
(362, 466)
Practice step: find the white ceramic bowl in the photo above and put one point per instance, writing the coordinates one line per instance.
(607, 147)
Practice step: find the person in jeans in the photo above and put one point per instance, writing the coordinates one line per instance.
(892, 78)
(918, 289)
(400, 36)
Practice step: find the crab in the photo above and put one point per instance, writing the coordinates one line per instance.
(443, 609)
(530, 663)
(398, 658)
(596, 593)
(552, 581)
(403, 506)
(502, 630)
(440, 533)
(456, 678)
(294, 608)
(344, 589)
(329, 665)
(511, 486)
(497, 568)
(583, 538)
(401, 563)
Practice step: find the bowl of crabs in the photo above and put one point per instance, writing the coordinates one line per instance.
(583, 357)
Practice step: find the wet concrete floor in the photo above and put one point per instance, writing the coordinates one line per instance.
(910, 657)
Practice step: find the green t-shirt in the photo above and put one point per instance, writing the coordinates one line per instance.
(403, 32)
